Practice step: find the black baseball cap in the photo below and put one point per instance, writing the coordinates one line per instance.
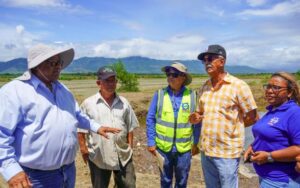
(105, 72)
(213, 49)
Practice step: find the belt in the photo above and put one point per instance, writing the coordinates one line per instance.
(63, 167)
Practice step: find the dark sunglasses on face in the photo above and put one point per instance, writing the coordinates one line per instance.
(54, 63)
(273, 87)
(209, 59)
(173, 74)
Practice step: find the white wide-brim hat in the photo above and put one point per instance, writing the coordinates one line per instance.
(41, 52)
(181, 68)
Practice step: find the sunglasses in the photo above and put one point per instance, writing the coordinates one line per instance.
(209, 58)
(173, 74)
(273, 87)
(54, 63)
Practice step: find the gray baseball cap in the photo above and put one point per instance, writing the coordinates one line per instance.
(215, 49)
(105, 72)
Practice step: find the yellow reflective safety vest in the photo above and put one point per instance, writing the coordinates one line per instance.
(171, 131)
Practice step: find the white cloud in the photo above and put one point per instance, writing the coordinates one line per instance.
(14, 41)
(280, 9)
(58, 5)
(260, 52)
(20, 29)
(268, 54)
(132, 25)
(265, 54)
(215, 10)
(177, 47)
(255, 3)
(33, 3)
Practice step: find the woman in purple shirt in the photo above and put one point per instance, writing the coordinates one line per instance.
(277, 134)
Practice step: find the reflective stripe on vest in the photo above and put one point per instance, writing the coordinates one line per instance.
(169, 130)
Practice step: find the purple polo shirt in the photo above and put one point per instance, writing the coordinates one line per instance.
(277, 129)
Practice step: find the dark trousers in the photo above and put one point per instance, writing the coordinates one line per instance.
(124, 178)
(63, 177)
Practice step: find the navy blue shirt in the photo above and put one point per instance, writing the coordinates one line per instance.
(276, 130)
(151, 116)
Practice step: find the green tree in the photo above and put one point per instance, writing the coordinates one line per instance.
(128, 81)
(298, 74)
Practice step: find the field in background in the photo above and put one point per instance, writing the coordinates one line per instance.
(148, 84)
(83, 85)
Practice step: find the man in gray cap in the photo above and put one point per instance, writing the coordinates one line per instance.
(38, 121)
(168, 131)
(114, 154)
(226, 106)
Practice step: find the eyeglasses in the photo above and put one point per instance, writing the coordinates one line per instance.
(174, 74)
(273, 87)
(54, 63)
(209, 59)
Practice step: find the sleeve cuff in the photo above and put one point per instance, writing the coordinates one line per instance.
(82, 130)
(151, 143)
(11, 170)
(95, 126)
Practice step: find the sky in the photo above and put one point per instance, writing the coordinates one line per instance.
(263, 34)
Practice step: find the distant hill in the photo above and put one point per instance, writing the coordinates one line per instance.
(134, 64)
(14, 66)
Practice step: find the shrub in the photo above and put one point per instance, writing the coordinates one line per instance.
(298, 75)
(128, 81)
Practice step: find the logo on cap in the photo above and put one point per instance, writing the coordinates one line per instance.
(107, 70)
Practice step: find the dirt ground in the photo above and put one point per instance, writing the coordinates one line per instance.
(147, 171)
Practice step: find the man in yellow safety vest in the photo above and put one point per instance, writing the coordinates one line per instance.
(169, 132)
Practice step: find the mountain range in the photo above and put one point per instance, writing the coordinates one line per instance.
(133, 64)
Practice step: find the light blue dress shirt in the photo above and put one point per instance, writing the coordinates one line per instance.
(38, 128)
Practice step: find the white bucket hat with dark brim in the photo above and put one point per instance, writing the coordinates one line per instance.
(41, 52)
(181, 68)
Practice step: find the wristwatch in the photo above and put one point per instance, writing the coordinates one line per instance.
(270, 158)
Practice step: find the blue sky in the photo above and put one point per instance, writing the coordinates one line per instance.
(259, 33)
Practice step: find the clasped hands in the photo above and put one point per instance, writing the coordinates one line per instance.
(195, 117)
(258, 157)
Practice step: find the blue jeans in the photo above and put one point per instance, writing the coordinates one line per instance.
(63, 177)
(179, 163)
(266, 183)
(220, 172)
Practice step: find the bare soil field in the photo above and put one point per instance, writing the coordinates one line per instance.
(145, 165)
(147, 171)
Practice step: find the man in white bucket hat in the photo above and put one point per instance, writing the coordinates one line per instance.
(39, 117)
(169, 133)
